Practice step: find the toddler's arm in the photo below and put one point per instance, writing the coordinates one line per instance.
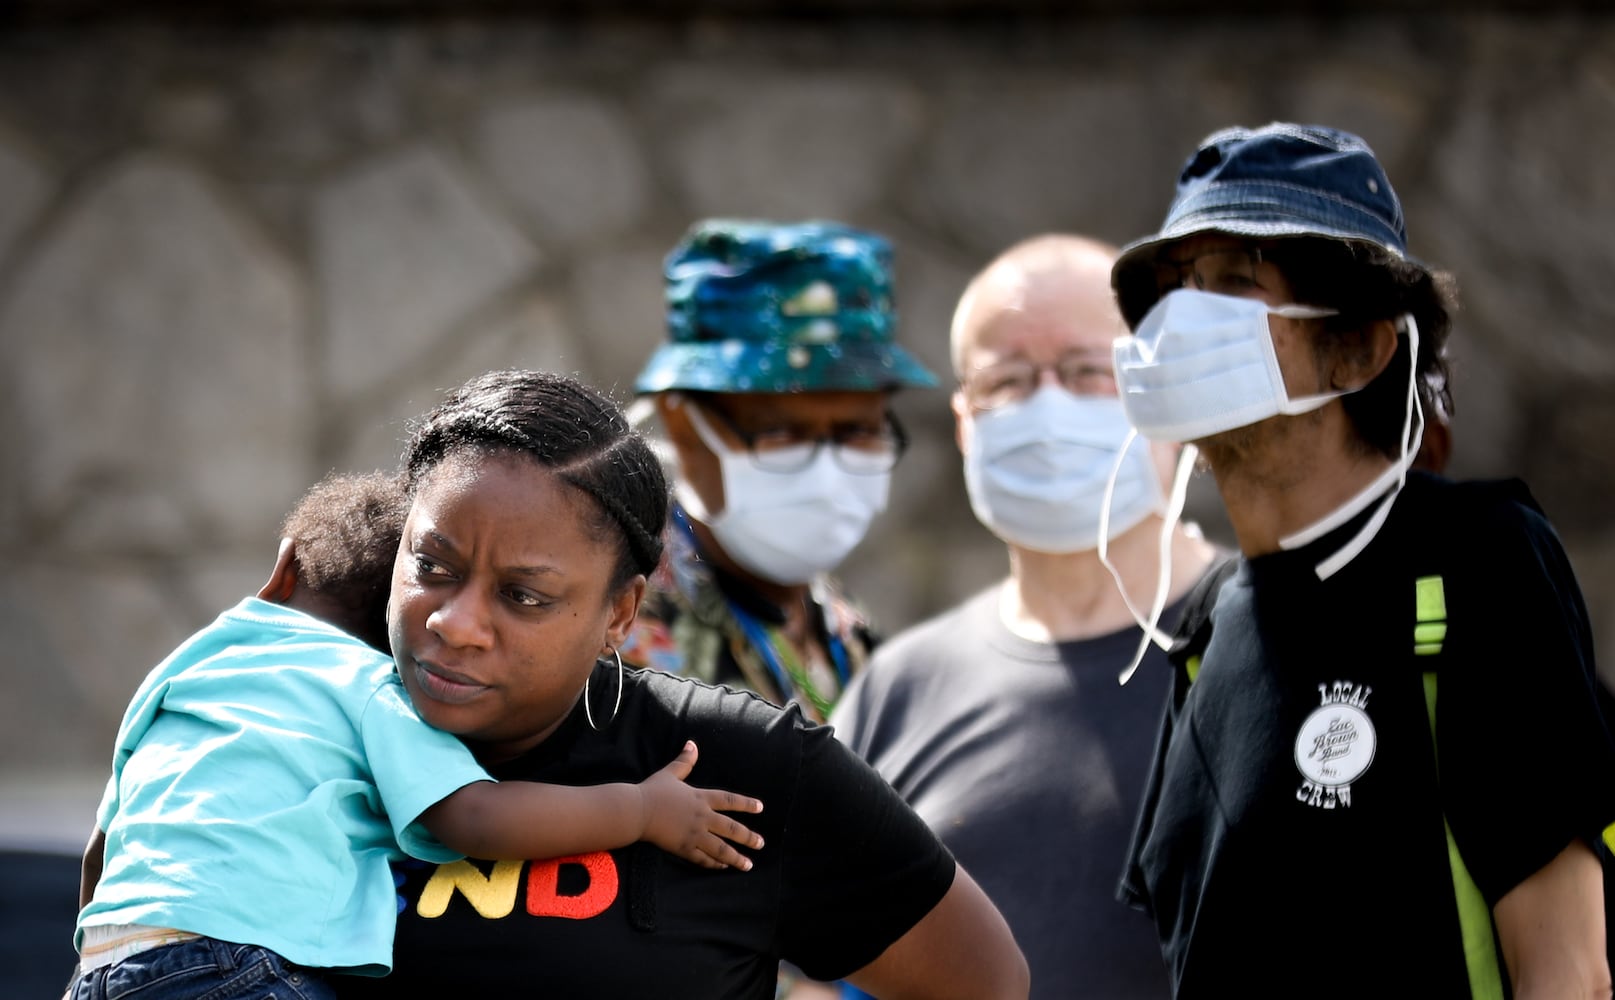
(90, 867)
(525, 819)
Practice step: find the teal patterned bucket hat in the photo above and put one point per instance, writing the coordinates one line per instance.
(757, 306)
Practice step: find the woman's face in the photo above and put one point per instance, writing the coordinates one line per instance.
(499, 601)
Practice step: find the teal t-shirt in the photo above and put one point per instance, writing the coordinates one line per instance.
(265, 775)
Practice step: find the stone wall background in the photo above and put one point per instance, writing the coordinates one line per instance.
(234, 256)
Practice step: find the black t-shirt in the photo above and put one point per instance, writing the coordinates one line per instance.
(847, 868)
(1292, 839)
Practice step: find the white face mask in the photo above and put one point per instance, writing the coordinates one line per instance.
(1036, 471)
(787, 527)
(1201, 363)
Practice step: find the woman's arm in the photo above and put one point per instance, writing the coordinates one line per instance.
(1551, 927)
(521, 819)
(961, 950)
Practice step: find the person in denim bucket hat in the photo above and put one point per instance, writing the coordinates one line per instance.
(1286, 180)
(773, 391)
(1375, 615)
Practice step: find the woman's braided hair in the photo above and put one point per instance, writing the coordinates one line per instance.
(570, 429)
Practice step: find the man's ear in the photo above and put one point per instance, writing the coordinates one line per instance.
(961, 413)
(1436, 445)
(283, 578)
(1364, 354)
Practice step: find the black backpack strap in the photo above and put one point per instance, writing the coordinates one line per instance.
(1194, 627)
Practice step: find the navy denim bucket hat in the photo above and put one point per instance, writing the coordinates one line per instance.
(1280, 180)
(757, 306)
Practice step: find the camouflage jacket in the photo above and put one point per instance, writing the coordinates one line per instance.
(699, 621)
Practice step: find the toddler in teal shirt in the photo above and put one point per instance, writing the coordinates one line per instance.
(268, 771)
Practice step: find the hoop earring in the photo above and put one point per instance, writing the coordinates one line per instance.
(588, 712)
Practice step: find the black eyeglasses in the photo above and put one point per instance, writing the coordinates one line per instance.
(1228, 271)
(857, 448)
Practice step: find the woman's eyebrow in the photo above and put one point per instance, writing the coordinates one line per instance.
(442, 541)
(432, 535)
(541, 569)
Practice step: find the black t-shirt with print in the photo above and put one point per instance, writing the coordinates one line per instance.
(846, 868)
(1292, 839)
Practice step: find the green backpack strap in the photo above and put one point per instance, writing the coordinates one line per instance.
(1474, 916)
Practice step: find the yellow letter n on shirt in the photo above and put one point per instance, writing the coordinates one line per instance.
(492, 895)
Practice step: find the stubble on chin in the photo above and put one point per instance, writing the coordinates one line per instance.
(1229, 453)
(1269, 453)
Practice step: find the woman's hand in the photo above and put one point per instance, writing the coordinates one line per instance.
(690, 822)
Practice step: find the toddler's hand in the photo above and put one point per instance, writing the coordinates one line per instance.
(689, 822)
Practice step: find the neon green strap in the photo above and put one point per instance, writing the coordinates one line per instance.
(1474, 916)
(1429, 614)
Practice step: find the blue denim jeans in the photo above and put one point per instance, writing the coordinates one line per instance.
(203, 969)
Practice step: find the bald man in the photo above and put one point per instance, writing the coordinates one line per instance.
(1002, 720)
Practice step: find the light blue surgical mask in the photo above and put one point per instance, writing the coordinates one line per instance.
(1036, 471)
(1201, 364)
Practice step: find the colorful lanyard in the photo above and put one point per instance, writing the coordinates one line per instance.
(772, 647)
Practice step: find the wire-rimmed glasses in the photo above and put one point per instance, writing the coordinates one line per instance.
(1003, 383)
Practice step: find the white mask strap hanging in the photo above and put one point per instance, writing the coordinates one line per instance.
(1163, 582)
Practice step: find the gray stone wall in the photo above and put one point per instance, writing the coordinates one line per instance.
(233, 257)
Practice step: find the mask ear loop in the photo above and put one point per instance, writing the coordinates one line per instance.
(1413, 416)
(1300, 404)
(1163, 581)
(682, 490)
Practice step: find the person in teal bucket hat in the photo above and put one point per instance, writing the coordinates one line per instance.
(773, 391)
(755, 307)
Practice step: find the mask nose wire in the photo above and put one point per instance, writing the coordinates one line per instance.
(1163, 582)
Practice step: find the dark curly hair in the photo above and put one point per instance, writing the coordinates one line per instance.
(567, 427)
(1365, 283)
(1368, 283)
(346, 529)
